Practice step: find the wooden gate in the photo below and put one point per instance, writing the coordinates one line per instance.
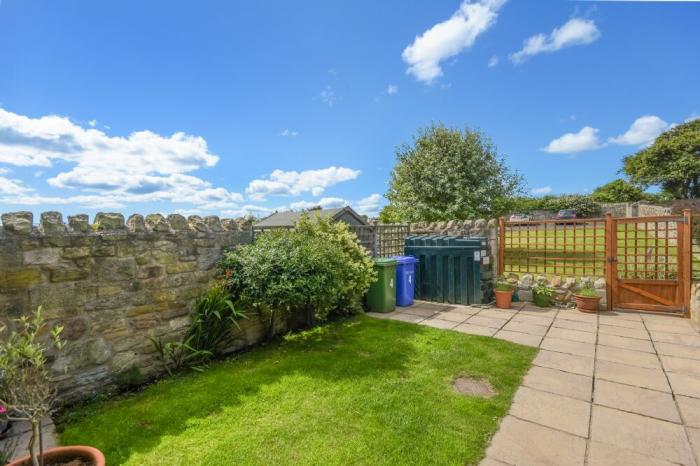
(649, 263)
(646, 261)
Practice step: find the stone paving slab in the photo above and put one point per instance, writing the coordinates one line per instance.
(555, 381)
(636, 400)
(629, 357)
(613, 388)
(525, 443)
(581, 365)
(568, 346)
(550, 410)
(602, 454)
(518, 337)
(626, 343)
(644, 435)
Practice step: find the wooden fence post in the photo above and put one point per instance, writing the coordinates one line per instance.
(610, 249)
(687, 259)
(501, 245)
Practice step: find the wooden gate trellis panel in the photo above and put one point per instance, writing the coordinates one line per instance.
(646, 261)
(650, 264)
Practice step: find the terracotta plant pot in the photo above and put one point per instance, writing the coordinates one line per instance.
(587, 303)
(504, 299)
(66, 454)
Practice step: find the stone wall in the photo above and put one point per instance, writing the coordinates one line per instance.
(112, 285)
(471, 229)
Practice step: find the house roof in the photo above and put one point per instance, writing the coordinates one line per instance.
(289, 218)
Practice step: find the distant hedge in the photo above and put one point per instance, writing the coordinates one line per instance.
(584, 206)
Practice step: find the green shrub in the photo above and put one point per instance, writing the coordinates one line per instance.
(587, 291)
(503, 285)
(584, 206)
(213, 319)
(309, 273)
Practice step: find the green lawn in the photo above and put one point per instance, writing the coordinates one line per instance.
(361, 391)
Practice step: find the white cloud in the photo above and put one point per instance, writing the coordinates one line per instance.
(541, 191)
(369, 205)
(328, 96)
(325, 203)
(576, 31)
(644, 130)
(586, 139)
(12, 187)
(143, 167)
(449, 38)
(493, 61)
(392, 89)
(282, 183)
(92, 123)
(4, 170)
(289, 133)
(255, 210)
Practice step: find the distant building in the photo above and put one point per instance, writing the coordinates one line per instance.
(289, 219)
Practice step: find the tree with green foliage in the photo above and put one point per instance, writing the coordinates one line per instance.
(449, 174)
(619, 190)
(672, 162)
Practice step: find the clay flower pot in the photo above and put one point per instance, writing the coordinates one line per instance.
(587, 303)
(504, 299)
(88, 454)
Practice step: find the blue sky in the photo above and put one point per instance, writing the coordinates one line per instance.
(228, 107)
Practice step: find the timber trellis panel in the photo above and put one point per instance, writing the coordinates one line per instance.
(647, 261)
(382, 240)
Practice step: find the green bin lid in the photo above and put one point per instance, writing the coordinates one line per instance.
(384, 262)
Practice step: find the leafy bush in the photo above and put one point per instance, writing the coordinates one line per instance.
(214, 317)
(313, 271)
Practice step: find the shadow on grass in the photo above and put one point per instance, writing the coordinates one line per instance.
(361, 350)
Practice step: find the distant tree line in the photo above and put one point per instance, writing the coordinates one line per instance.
(449, 173)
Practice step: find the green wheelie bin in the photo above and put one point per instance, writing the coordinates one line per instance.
(381, 296)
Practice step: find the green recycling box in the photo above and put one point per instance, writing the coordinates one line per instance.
(381, 296)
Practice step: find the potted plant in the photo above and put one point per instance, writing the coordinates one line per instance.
(587, 299)
(542, 295)
(27, 394)
(504, 294)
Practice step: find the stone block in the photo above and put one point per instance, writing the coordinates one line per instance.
(136, 223)
(20, 223)
(213, 222)
(178, 222)
(52, 223)
(21, 278)
(79, 223)
(108, 221)
(42, 256)
(157, 223)
(115, 268)
(66, 274)
(75, 252)
(181, 267)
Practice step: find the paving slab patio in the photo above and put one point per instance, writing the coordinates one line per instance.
(613, 388)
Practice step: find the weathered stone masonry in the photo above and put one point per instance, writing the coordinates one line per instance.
(112, 285)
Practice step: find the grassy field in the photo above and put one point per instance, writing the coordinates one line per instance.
(579, 250)
(362, 391)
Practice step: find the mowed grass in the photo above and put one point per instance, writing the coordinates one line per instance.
(360, 391)
(579, 250)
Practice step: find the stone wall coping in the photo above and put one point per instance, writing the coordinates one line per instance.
(51, 223)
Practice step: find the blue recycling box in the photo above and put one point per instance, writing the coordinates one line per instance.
(405, 280)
